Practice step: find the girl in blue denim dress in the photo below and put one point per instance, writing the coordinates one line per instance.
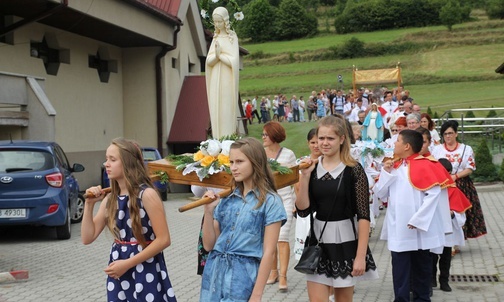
(241, 231)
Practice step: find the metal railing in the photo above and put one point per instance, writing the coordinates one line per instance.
(494, 129)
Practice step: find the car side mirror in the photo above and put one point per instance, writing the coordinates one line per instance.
(78, 168)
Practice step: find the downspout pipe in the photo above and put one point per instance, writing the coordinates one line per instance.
(159, 88)
(40, 16)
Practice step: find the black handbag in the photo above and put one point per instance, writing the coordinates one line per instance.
(310, 257)
(309, 260)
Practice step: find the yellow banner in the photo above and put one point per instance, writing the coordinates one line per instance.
(377, 76)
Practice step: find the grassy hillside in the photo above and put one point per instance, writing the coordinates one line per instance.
(445, 68)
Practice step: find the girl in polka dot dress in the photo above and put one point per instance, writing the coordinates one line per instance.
(134, 214)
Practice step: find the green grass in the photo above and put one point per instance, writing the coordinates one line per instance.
(296, 136)
(326, 40)
(457, 72)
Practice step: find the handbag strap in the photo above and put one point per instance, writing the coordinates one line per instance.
(332, 208)
(461, 160)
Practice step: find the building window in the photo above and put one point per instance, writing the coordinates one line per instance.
(4, 22)
(50, 56)
(103, 66)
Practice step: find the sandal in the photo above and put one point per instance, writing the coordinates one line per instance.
(272, 280)
(283, 288)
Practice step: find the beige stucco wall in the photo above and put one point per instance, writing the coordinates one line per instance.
(88, 113)
(139, 86)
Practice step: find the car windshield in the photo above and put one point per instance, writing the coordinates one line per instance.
(24, 160)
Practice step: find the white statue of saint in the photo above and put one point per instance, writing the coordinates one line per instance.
(221, 74)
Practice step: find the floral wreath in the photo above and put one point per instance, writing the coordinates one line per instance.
(230, 5)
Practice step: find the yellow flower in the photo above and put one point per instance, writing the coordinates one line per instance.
(223, 159)
(198, 155)
(207, 160)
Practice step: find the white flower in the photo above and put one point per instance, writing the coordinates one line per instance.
(215, 1)
(210, 147)
(239, 16)
(203, 13)
(226, 145)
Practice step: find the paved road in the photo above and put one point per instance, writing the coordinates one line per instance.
(70, 271)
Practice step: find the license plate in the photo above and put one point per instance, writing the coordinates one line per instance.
(12, 213)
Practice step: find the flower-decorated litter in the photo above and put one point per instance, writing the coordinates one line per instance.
(368, 151)
(213, 157)
(207, 6)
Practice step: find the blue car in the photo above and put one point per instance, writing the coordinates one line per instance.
(37, 186)
(149, 154)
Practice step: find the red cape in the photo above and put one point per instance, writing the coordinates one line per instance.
(426, 172)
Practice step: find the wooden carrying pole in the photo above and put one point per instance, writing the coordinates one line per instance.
(222, 194)
(109, 189)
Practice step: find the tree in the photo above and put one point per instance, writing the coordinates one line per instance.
(258, 26)
(450, 14)
(485, 170)
(495, 9)
(429, 111)
(292, 21)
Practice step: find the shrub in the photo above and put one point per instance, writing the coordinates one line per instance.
(495, 9)
(492, 113)
(485, 169)
(371, 15)
(352, 48)
(501, 172)
(470, 114)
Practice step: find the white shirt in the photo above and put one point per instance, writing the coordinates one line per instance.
(354, 116)
(348, 106)
(390, 107)
(254, 104)
(422, 209)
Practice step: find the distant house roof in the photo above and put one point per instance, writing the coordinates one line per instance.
(192, 116)
(500, 69)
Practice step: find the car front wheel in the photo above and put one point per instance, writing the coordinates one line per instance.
(79, 209)
(64, 232)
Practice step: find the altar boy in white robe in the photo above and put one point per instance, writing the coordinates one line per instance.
(417, 215)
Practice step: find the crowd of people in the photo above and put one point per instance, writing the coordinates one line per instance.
(244, 244)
